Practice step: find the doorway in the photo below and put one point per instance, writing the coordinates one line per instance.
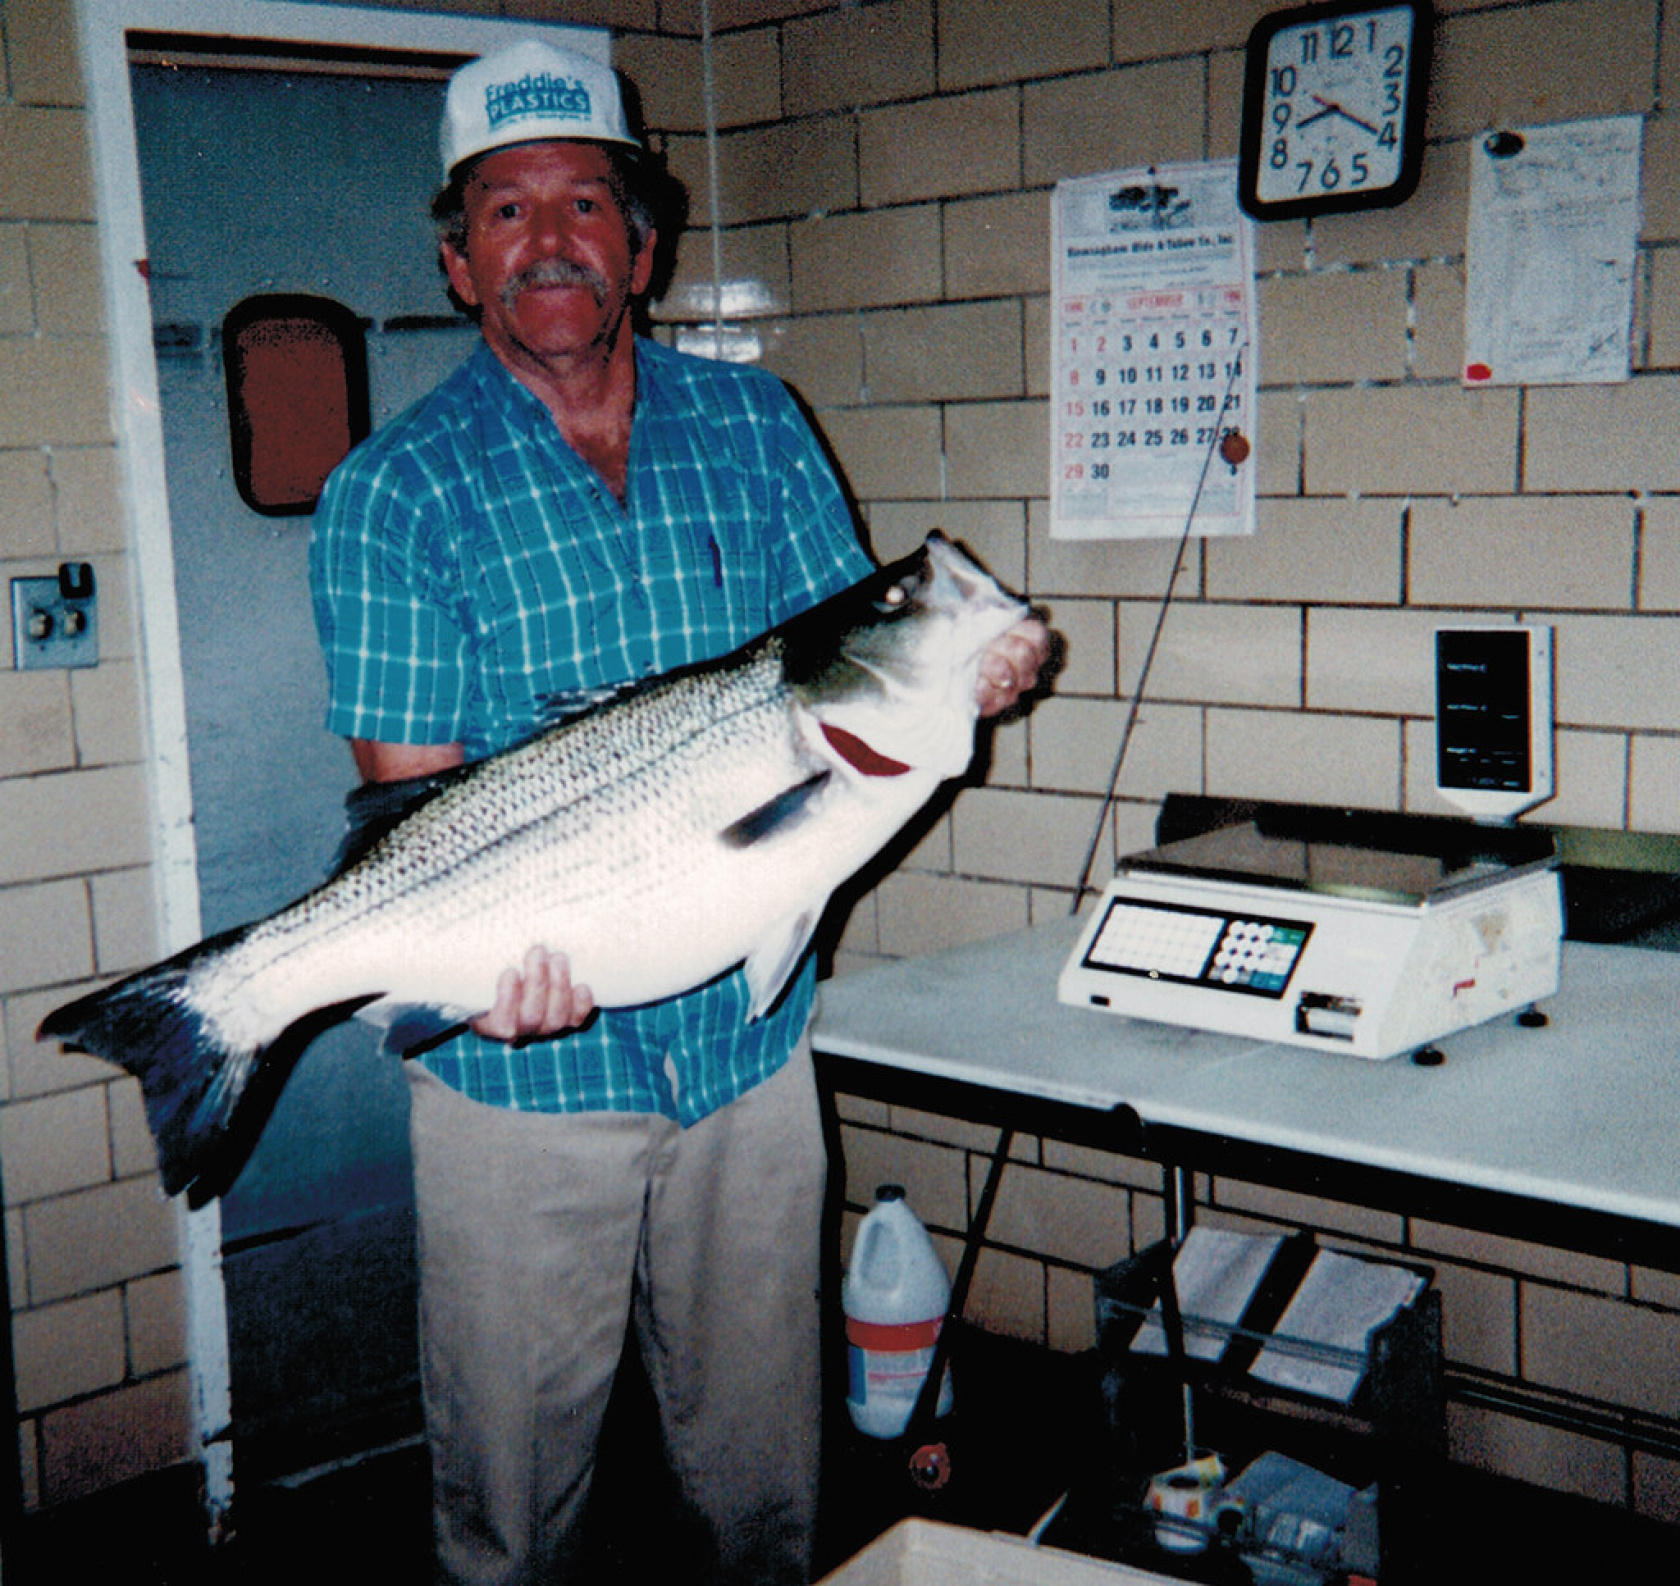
(300, 1280)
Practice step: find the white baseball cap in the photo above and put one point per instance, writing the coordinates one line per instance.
(530, 91)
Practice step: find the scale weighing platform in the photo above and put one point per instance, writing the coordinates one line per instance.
(1348, 931)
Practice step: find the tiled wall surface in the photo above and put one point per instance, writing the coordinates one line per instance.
(884, 173)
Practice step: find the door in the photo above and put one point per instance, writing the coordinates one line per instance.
(257, 182)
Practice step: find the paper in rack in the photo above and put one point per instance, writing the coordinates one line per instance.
(1216, 1273)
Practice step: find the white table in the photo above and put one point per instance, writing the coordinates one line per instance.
(1568, 1134)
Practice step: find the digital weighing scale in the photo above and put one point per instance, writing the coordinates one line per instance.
(1348, 931)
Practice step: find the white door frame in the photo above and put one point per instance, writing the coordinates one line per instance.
(227, 27)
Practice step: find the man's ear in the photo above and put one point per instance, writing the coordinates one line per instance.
(460, 277)
(641, 270)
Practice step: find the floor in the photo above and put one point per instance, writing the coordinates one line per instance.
(1020, 1438)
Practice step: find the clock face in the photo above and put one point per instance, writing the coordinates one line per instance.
(1332, 113)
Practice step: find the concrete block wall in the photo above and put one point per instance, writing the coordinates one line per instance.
(884, 180)
(884, 172)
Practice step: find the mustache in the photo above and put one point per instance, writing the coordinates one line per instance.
(555, 272)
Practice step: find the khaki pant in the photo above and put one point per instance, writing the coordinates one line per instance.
(543, 1238)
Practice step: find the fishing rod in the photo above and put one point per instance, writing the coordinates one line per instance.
(1233, 447)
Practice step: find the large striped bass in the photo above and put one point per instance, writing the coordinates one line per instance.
(659, 839)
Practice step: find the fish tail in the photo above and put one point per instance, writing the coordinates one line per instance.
(206, 1098)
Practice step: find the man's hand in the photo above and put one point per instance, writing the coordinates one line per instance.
(1011, 665)
(536, 1000)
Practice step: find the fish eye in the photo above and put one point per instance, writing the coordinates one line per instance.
(895, 595)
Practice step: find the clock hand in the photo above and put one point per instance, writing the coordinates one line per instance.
(1331, 108)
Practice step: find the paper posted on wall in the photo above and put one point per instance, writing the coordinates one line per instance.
(1153, 376)
(1554, 228)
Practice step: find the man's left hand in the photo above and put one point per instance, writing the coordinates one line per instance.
(1011, 665)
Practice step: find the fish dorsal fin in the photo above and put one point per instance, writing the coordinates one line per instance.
(564, 705)
(772, 964)
(790, 805)
(374, 809)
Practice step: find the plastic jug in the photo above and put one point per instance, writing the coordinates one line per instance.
(895, 1296)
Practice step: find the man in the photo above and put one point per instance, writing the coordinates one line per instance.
(576, 507)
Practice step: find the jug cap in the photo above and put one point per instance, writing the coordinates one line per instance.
(889, 1192)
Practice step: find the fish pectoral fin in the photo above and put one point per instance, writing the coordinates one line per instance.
(772, 963)
(411, 1026)
(775, 814)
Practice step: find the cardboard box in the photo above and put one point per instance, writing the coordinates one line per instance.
(929, 1553)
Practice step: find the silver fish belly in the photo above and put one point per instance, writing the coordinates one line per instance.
(660, 840)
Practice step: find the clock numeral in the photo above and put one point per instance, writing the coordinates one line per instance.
(1283, 81)
(1395, 56)
(1341, 40)
(1280, 154)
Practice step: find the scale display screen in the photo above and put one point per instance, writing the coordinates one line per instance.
(1202, 947)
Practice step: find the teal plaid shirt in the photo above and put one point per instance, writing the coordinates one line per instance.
(469, 569)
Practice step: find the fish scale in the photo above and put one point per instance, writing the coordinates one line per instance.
(660, 839)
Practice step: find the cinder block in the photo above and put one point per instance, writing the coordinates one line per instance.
(947, 352)
(1277, 430)
(98, 1237)
(890, 452)
(1406, 440)
(53, 392)
(1635, 1358)
(1654, 785)
(26, 507)
(1478, 1318)
(932, 1176)
(157, 1322)
(1542, 1455)
(45, 935)
(17, 293)
(1070, 1317)
(89, 514)
(69, 295)
(35, 723)
(66, 1351)
(1333, 325)
(1007, 1295)
(965, 143)
(1437, 322)
(1542, 64)
(1603, 438)
(790, 168)
(73, 822)
(820, 356)
(1106, 568)
(1075, 742)
(1520, 1257)
(97, 1443)
(1659, 185)
(1133, 116)
(1186, 27)
(1086, 633)
(1078, 1221)
(1659, 555)
(1293, 1210)
(1378, 661)
(669, 74)
(1613, 671)
(54, 1145)
(1663, 310)
(997, 246)
(858, 55)
(1311, 550)
(1656, 1487)
(45, 63)
(1039, 838)
(34, 140)
(996, 449)
(125, 920)
(1237, 655)
(1523, 551)
(926, 914)
(996, 41)
(866, 260)
(1305, 757)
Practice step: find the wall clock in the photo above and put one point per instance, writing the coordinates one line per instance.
(1333, 107)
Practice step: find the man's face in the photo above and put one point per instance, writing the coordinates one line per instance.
(549, 257)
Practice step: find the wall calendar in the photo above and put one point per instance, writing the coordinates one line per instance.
(1152, 378)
